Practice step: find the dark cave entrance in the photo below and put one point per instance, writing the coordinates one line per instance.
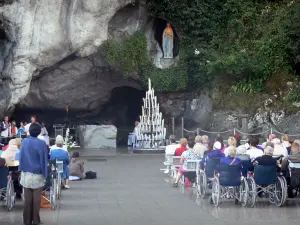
(159, 27)
(122, 110)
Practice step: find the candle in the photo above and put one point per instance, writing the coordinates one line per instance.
(163, 123)
(149, 84)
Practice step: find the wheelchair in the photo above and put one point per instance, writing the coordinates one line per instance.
(57, 169)
(293, 179)
(205, 176)
(7, 191)
(266, 180)
(50, 186)
(229, 183)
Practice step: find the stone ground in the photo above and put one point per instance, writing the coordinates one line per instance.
(130, 190)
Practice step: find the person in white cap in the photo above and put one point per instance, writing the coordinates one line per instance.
(216, 153)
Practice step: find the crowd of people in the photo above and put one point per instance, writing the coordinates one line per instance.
(234, 153)
(28, 155)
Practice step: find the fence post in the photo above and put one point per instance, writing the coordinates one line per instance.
(271, 130)
(182, 127)
(197, 131)
(173, 125)
(234, 131)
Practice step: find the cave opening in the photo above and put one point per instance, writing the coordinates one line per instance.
(122, 110)
(159, 27)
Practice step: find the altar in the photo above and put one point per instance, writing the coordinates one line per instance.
(97, 137)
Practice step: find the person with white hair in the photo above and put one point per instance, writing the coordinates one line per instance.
(231, 158)
(279, 149)
(266, 159)
(242, 153)
(60, 154)
(199, 147)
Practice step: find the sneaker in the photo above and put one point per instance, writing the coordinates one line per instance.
(166, 171)
(67, 187)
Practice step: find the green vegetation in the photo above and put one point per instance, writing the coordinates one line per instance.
(245, 41)
(130, 56)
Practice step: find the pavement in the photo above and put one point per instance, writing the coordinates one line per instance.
(131, 190)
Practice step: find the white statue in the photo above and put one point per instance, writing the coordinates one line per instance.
(168, 42)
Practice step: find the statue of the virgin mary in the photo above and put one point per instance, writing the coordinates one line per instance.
(168, 42)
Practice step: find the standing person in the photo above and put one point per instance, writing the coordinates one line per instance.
(14, 129)
(44, 134)
(254, 151)
(21, 130)
(33, 167)
(27, 126)
(5, 127)
(231, 143)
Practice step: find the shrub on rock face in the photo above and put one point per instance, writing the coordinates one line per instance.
(129, 56)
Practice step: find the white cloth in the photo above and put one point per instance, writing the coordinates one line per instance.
(65, 148)
(254, 153)
(46, 139)
(74, 178)
(280, 150)
(26, 128)
(170, 149)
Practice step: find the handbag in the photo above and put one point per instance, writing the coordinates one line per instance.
(90, 175)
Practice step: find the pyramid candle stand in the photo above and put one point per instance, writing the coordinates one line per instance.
(151, 131)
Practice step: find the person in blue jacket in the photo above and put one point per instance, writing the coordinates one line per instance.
(59, 153)
(33, 166)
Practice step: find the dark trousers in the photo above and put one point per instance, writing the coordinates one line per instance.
(31, 212)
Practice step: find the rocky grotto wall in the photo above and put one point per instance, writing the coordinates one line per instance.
(49, 58)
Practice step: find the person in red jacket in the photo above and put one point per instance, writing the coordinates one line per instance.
(182, 148)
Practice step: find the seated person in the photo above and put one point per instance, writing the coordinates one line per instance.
(199, 146)
(216, 153)
(182, 148)
(13, 163)
(76, 167)
(227, 178)
(170, 150)
(294, 158)
(254, 151)
(10, 153)
(266, 159)
(245, 159)
(62, 155)
(190, 154)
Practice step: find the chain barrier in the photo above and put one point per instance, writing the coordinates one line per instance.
(190, 131)
(264, 132)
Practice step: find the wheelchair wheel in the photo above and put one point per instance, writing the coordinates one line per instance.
(10, 196)
(279, 192)
(201, 184)
(244, 193)
(216, 191)
(286, 187)
(58, 188)
(53, 192)
(252, 192)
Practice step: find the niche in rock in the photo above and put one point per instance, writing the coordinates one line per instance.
(122, 110)
(160, 26)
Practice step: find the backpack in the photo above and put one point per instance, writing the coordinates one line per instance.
(90, 175)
